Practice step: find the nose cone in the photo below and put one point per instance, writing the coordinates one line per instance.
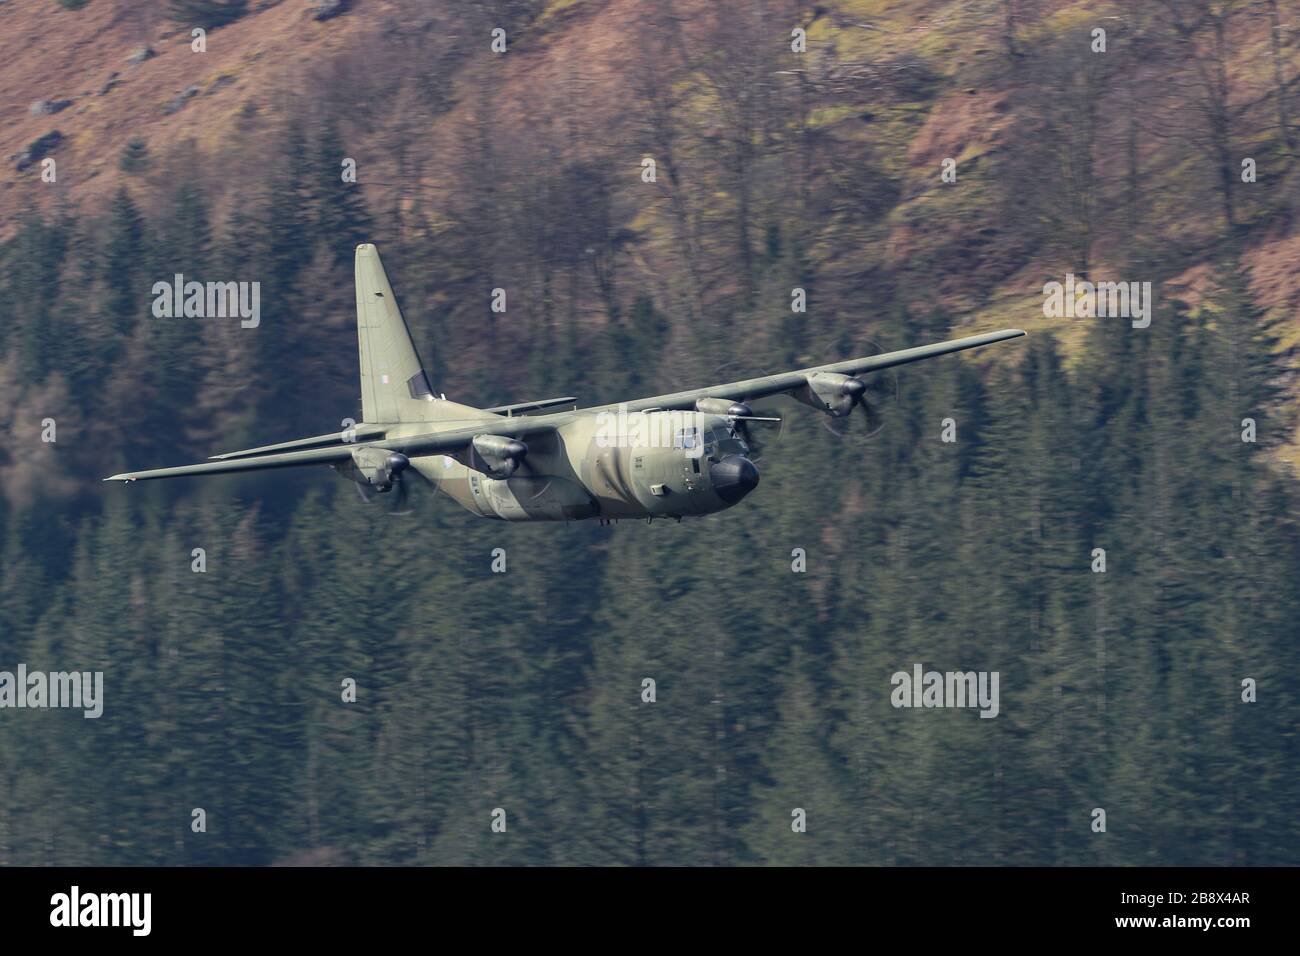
(733, 478)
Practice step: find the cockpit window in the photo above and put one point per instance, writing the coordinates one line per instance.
(687, 438)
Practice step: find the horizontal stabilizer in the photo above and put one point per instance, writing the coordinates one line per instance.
(518, 407)
(359, 433)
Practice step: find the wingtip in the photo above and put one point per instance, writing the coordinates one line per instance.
(122, 478)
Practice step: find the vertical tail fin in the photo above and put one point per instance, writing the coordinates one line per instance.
(394, 385)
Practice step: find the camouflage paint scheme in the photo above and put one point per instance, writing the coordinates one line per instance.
(511, 463)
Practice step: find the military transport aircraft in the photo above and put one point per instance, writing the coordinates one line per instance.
(674, 456)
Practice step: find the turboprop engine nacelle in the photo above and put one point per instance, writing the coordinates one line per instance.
(378, 466)
(498, 456)
(723, 406)
(832, 393)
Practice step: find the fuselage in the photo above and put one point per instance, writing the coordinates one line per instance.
(669, 464)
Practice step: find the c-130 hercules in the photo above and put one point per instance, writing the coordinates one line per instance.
(677, 455)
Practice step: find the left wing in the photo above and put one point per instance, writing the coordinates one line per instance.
(441, 442)
(802, 378)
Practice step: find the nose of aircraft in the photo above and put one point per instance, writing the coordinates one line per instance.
(733, 478)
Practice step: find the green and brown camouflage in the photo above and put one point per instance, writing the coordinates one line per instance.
(677, 455)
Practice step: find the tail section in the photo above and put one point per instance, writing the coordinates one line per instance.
(394, 384)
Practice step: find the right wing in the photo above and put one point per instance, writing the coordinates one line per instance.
(789, 381)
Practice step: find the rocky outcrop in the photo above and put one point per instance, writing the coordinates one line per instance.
(36, 149)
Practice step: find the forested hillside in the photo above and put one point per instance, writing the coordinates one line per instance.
(774, 171)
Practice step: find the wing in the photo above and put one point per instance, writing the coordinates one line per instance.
(454, 440)
(789, 381)
(442, 442)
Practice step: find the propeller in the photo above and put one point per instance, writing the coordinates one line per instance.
(870, 396)
(748, 433)
(390, 480)
(856, 396)
(401, 477)
(739, 415)
(873, 394)
(397, 504)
